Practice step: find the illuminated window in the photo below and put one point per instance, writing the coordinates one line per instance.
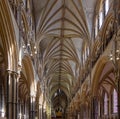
(106, 6)
(100, 19)
(96, 27)
(115, 101)
(105, 104)
(55, 94)
(88, 51)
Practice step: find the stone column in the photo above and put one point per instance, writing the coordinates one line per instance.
(32, 107)
(94, 108)
(2, 101)
(20, 110)
(40, 112)
(78, 116)
(44, 113)
(12, 95)
(15, 95)
(25, 113)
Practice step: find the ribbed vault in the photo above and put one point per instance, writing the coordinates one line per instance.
(62, 33)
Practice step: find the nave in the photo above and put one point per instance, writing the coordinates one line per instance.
(59, 59)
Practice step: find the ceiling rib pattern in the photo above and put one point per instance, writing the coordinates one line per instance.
(23, 87)
(61, 32)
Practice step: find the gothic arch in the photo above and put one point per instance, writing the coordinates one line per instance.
(28, 69)
(27, 78)
(97, 73)
(8, 36)
(108, 27)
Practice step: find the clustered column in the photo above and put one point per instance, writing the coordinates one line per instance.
(94, 105)
(32, 107)
(40, 111)
(12, 95)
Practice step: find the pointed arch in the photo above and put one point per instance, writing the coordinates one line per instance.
(108, 27)
(97, 73)
(8, 36)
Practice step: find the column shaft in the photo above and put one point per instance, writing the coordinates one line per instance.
(32, 108)
(15, 96)
(11, 91)
(41, 113)
(9, 96)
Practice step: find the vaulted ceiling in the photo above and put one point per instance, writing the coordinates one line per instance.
(63, 30)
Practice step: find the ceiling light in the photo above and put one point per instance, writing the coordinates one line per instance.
(34, 47)
(31, 54)
(28, 44)
(35, 52)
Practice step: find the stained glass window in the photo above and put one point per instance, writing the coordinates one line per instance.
(106, 6)
(105, 104)
(115, 101)
(96, 27)
(100, 19)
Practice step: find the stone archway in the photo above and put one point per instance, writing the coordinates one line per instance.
(97, 73)
(27, 96)
(8, 36)
(103, 82)
(8, 42)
